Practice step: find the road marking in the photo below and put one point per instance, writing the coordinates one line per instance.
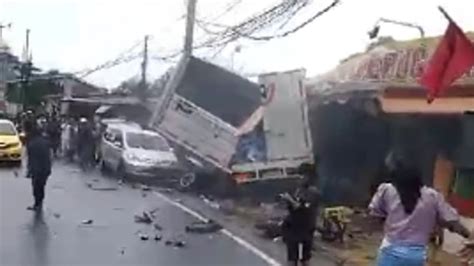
(271, 261)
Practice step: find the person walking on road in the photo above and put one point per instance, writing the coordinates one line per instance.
(85, 142)
(54, 134)
(67, 136)
(299, 225)
(411, 212)
(39, 165)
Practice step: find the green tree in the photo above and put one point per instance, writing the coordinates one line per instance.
(32, 93)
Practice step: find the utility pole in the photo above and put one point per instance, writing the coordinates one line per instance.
(25, 71)
(143, 84)
(190, 20)
(178, 73)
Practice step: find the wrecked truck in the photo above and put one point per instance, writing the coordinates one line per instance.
(270, 143)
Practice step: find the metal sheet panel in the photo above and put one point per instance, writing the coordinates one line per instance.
(285, 118)
(199, 131)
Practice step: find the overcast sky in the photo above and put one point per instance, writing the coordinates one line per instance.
(72, 35)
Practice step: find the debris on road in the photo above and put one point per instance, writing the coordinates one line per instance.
(179, 244)
(157, 227)
(103, 188)
(166, 190)
(271, 228)
(144, 237)
(175, 243)
(122, 251)
(210, 202)
(57, 215)
(145, 188)
(15, 173)
(96, 180)
(120, 182)
(89, 221)
(144, 217)
(144, 195)
(203, 227)
(152, 212)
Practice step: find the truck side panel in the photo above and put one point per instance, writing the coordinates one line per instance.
(200, 132)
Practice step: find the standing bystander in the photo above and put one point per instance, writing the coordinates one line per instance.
(300, 223)
(39, 164)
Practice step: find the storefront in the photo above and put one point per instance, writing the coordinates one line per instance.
(437, 137)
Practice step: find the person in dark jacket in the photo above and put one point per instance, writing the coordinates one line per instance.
(299, 225)
(39, 165)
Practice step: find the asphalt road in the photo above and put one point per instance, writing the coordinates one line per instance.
(58, 237)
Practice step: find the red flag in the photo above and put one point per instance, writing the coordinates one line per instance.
(453, 57)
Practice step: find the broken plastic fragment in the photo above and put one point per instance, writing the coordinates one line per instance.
(144, 237)
(179, 244)
(145, 188)
(203, 227)
(145, 217)
(89, 221)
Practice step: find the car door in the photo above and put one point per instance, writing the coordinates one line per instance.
(106, 147)
(116, 148)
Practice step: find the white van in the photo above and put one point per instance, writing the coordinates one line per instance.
(132, 151)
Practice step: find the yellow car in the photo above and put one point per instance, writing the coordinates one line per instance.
(10, 143)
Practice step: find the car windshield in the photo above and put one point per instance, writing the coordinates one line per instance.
(146, 142)
(7, 129)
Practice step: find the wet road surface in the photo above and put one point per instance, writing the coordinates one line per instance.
(58, 237)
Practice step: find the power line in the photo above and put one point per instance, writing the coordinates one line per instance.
(227, 9)
(111, 64)
(123, 57)
(297, 28)
(258, 22)
(220, 39)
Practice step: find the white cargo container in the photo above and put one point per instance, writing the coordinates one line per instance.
(286, 129)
